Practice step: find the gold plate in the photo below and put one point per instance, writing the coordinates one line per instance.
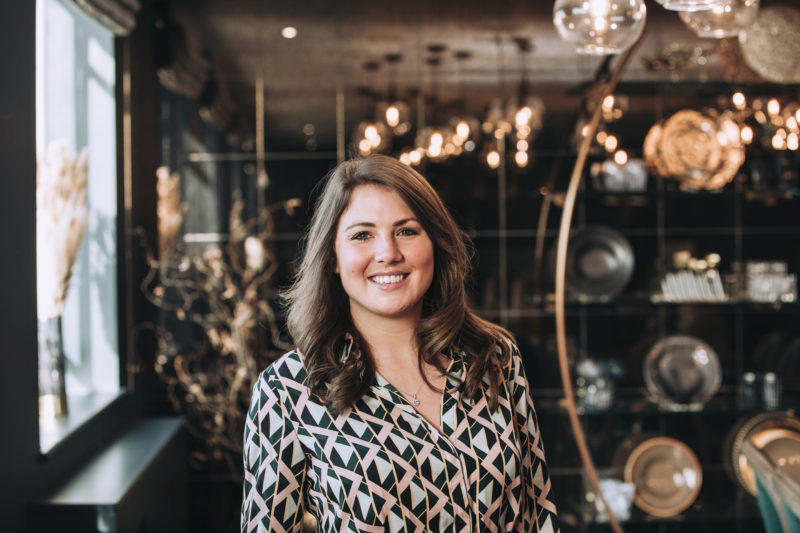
(777, 434)
(667, 476)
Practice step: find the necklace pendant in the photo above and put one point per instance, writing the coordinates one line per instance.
(414, 400)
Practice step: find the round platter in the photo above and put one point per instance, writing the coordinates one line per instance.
(667, 476)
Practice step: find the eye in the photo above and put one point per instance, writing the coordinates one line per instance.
(360, 236)
(407, 232)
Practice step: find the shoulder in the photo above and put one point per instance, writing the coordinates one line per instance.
(507, 357)
(286, 370)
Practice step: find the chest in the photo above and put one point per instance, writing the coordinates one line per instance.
(388, 452)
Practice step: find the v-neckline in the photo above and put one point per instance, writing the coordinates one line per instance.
(405, 403)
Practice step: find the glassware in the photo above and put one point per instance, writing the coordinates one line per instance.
(725, 20)
(599, 27)
(52, 381)
(690, 5)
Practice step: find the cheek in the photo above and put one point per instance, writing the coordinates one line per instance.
(425, 261)
(348, 259)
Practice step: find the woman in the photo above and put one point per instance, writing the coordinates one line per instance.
(400, 409)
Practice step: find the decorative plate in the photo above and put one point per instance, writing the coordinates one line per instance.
(599, 263)
(682, 372)
(667, 476)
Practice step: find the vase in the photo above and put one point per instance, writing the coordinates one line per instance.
(52, 381)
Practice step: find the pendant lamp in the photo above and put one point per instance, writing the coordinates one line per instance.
(690, 5)
(725, 20)
(599, 27)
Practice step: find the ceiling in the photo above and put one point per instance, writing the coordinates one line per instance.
(343, 46)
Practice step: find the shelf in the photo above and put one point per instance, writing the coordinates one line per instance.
(633, 196)
(640, 405)
(627, 305)
(699, 512)
(547, 303)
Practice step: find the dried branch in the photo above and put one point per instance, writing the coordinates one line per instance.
(225, 292)
(61, 220)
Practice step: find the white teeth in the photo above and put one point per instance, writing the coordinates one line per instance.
(388, 279)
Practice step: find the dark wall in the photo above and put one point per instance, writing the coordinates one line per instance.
(18, 383)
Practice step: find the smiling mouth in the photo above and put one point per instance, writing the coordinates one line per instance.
(388, 279)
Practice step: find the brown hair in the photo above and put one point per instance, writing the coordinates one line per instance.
(318, 316)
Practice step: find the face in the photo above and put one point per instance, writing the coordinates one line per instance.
(383, 256)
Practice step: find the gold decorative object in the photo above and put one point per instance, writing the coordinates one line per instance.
(61, 219)
(225, 292)
(702, 150)
(771, 45)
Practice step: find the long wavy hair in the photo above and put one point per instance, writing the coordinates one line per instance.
(318, 317)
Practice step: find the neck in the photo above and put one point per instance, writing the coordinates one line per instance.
(392, 342)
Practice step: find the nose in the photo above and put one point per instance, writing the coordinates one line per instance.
(387, 250)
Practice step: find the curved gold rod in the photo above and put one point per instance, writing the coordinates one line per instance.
(561, 266)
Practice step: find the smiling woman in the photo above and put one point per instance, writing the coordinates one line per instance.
(384, 258)
(400, 409)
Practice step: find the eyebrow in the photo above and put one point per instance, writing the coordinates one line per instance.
(372, 225)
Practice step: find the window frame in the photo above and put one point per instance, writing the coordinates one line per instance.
(87, 406)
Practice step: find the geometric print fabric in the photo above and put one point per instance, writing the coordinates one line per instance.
(380, 466)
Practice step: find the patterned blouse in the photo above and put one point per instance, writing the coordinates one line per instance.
(381, 466)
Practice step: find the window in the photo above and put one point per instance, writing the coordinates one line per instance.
(75, 108)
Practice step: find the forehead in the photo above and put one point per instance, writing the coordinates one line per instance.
(373, 203)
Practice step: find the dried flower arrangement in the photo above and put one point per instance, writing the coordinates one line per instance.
(225, 292)
(61, 219)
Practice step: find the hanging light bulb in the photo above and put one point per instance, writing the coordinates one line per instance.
(393, 111)
(371, 137)
(599, 27)
(493, 159)
(466, 132)
(724, 20)
(465, 128)
(690, 5)
(436, 143)
(396, 114)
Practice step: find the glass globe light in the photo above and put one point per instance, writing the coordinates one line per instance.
(396, 115)
(371, 137)
(690, 5)
(599, 27)
(436, 143)
(465, 128)
(725, 20)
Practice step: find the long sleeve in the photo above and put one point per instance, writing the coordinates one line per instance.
(274, 464)
(539, 507)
